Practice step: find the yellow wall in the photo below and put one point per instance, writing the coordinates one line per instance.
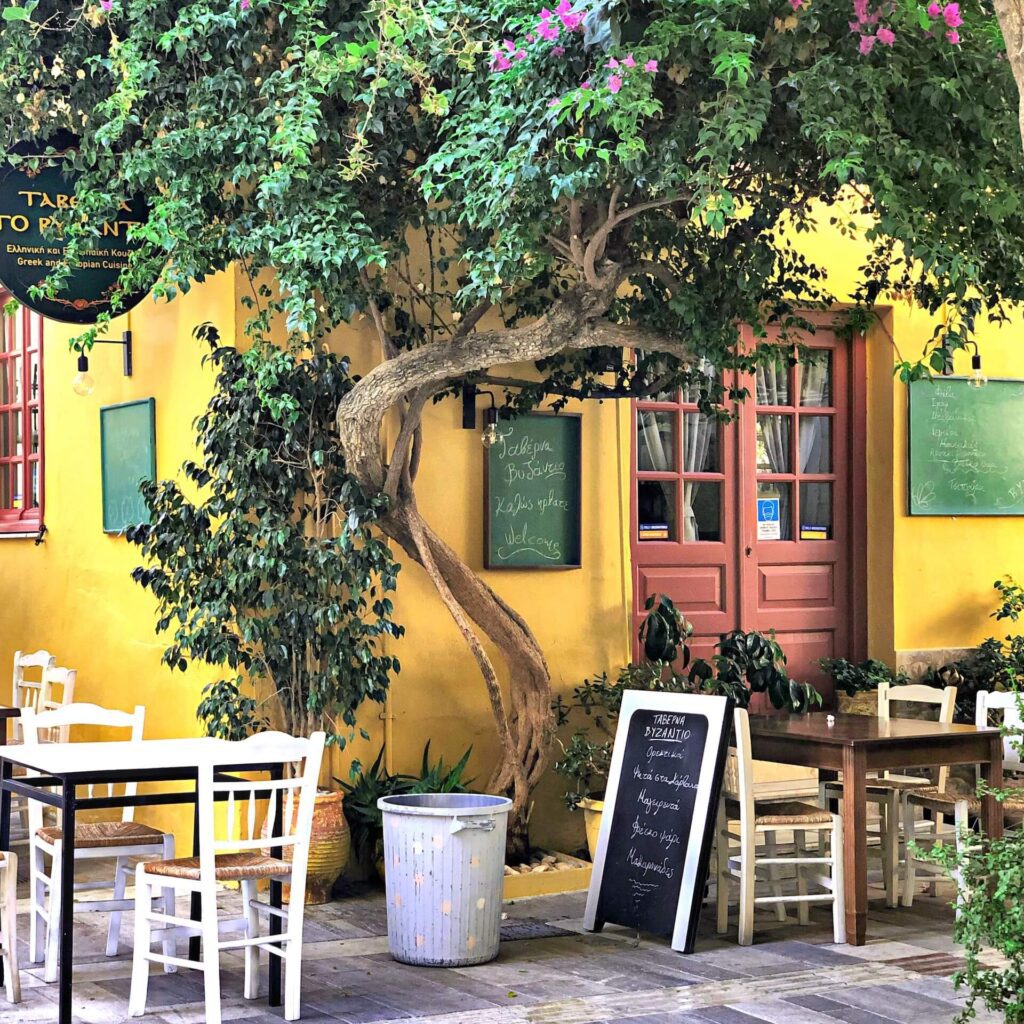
(929, 578)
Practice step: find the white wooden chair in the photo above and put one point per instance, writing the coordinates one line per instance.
(232, 850)
(9, 925)
(119, 841)
(885, 789)
(741, 862)
(945, 801)
(27, 692)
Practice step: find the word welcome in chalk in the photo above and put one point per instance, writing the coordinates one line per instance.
(520, 540)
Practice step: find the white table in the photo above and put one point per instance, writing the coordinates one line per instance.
(64, 766)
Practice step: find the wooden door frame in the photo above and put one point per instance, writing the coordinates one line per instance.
(858, 531)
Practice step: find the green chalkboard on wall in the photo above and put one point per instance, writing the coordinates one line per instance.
(127, 457)
(966, 448)
(532, 494)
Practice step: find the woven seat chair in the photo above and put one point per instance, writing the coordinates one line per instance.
(886, 789)
(9, 925)
(122, 841)
(739, 859)
(231, 849)
(958, 802)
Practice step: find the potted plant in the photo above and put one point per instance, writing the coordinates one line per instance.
(856, 684)
(268, 571)
(366, 786)
(745, 664)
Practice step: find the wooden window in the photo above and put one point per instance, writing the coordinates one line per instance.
(21, 421)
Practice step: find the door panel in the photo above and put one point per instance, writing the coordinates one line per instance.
(785, 459)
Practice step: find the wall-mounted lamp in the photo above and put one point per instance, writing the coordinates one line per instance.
(490, 431)
(977, 378)
(83, 382)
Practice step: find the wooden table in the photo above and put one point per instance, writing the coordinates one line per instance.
(858, 744)
(64, 767)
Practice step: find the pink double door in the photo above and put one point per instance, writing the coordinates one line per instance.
(759, 523)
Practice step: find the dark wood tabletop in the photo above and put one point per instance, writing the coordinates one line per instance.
(859, 744)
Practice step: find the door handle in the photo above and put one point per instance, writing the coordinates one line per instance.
(749, 552)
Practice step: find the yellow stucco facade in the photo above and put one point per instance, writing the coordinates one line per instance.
(929, 579)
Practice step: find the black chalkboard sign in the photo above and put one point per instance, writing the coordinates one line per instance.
(659, 815)
(532, 494)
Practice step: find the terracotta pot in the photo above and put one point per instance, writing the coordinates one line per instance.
(328, 848)
(863, 703)
(592, 822)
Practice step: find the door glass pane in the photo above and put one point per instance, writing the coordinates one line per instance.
(702, 510)
(6, 392)
(655, 441)
(816, 378)
(815, 511)
(772, 384)
(6, 499)
(815, 444)
(6, 330)
(773, 443)
(656, 510)
(774, 511)
(34, 493)
(5, 433)
(16, 423)
(16, 379)
(700, 443)
(34, 426)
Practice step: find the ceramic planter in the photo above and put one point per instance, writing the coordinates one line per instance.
(592, 822)
(863, 703)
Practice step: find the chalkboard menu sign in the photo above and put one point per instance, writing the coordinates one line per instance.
(659, 814)
(532, 494)
(966, 448)
(127, 457)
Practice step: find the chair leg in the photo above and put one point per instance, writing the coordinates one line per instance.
(909, 861)
(170, 943)
(803, 910)
(775, 877)
(37, 906)
(838, 882)
(961, 820)
(252, 953)
(293, 953)
(747, 887)
(141, 949)
(722, 888)
(211, 958)
(891, 848)
(9, 925)
(53, 916)
(114, 924)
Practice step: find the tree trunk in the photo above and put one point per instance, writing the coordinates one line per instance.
(1011, 20)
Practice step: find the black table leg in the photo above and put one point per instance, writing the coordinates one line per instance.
(6, 771)
(196, 900)
(277, 773)
(65, 963)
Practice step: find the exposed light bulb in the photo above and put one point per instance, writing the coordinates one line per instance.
(978, 379)
(490, 434)
(82, 383)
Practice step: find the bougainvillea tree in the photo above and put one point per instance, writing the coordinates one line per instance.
(604, 190)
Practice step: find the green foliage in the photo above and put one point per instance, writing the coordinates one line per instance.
(272, 573)
(863, 677)
(745, 664)
(316, 137)
(1011, 594)
(366, 786)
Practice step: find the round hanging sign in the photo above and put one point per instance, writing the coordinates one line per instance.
(29, 201)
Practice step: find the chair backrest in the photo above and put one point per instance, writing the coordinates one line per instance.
(738, 783)
(59, 690)
(29, 691)
(1010, 705)
(943, 699)
(298, 762)
(37, 724)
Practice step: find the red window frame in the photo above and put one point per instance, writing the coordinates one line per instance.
(21, 422)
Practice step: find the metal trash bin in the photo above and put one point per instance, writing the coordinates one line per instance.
(444, 857)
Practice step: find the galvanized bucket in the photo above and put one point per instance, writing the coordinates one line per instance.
(444, 856)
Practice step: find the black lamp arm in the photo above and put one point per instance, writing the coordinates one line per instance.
(126, 341)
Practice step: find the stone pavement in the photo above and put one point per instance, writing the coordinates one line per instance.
(549, 972)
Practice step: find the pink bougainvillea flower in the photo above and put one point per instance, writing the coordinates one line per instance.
(934, 9)
(867, 44)
(951, 16)
(245, 4)
(629, 62)
(509, 45)
(953, 36)
(519, 54)
(886, 36)
(107, 5)
(529, 37)
(548, 30)
(558, 50)
(860, 10)
(796, 4)
(585, 86)
(612, 63)
(651, 66)
(499, 62)
(614, 84)
(553, 103)
(571, 19)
